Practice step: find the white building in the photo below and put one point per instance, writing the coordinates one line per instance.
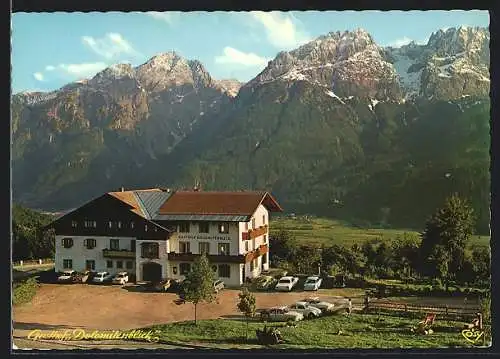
(156, 234)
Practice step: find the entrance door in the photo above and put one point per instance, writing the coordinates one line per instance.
(243, 275)
(151, 272)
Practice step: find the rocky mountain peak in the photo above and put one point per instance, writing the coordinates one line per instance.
(458, 40)
(348, 63)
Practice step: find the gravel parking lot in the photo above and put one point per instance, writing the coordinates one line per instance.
(104, 307)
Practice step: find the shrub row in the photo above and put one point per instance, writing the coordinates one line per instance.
(24, 291)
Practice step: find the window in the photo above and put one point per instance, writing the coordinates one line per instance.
(132, 245)
(67, 242)
(185, 268)
(251, 266)
(246, 246)
(109, 264)
(263, 219)
(90, 264)
(131, 225)
(203, 227)
(253, 223)
(223, 249)
(265, 238)
(184, 227)
(224, 271)
(74, 224)
(119, 224)
(129, 264)
(224, 227)
(246, 226)
(253, 244)
(184, 247)
(119, 264)
(150, 250)
(204, 247)
(90, 224)
(90, 243)
(114, 244)
(264, 258)
(145, 228)
(67, 263)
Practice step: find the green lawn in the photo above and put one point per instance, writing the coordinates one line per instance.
(329, 231)
(356, 331)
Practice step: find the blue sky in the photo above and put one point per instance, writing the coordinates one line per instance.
(52, 49)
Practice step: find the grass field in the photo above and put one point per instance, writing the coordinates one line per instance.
(329, 231)
(356, 331)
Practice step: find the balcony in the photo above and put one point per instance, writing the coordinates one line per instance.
(254, 233)
(250, 256)
(123, 253)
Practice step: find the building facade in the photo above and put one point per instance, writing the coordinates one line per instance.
(157, 234)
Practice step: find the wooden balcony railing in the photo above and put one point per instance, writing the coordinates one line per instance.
(109, 253)
(254, 233)
(212, 258)
(250, 256)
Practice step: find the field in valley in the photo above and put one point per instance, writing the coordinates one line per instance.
(329, 231)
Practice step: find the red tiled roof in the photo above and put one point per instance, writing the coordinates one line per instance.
(223, 203)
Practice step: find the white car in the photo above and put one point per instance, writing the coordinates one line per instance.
(317, 303)
(120, 278)
(312, 283)
(102, 277)
(280, 314)
(67, 277)
(306, 310)
(286, 284)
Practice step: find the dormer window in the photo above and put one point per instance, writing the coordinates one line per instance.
(110, 224)
(119, 224)
(132, 225)
(253, 223)
(74, 224)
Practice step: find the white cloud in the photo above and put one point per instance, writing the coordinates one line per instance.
(38, 76)
(110, 46)
(405, 41)
(233, 56)
(82, 70)
(49, 68)
(168, 16)
(281, 29)
(400, 42)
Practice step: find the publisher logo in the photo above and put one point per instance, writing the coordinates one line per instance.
(472, 335)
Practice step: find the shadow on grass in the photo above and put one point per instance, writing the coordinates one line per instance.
(33, 326)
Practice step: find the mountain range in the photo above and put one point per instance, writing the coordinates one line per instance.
(340, 127)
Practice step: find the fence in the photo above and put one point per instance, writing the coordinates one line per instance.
(33, 262)
(417, 308)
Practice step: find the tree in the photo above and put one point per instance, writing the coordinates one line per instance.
(445, 237)
(247, 306)
(199, 284)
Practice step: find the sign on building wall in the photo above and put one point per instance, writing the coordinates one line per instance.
(204, 237)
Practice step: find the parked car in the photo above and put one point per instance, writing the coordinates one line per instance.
(286, 283)
(102, 277)
(312, 283)
(317, 303)
(265, 282)
(306, 310)
(280, 314)
(69, 276)
(218, 285)
(120, 278)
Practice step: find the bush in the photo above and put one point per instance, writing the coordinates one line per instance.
(24, 291)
